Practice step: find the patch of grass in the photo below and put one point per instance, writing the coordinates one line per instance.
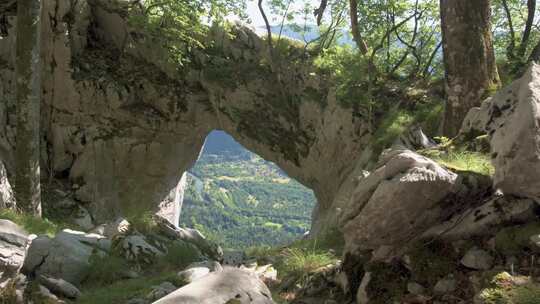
(462, 160)
(105, 269)
(297, 262)
(143, 223)
(122, 291)
(503, 290)
(31, 223)
(330, 240)
(179, 255)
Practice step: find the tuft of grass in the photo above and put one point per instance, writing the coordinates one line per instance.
(105, 269)
(297, 262)
(31, 223)
(143, 223)
(462, 160)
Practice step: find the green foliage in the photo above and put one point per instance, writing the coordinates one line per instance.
(123, 290)
(298, 262)
(143, 223)
(503, 290)
(180, 26)
(513, 240)
(179, 255)
(463, 160)
(30, 223)
(241, 200)
(105, 269)
(350, 72)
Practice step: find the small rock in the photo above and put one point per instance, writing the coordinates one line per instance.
(61, 287)
(83, 219)
(160, 291)
(415, 288)
(535, 242)
(212, 265)
(48, 296)
(478, 259)
(361, 295)
(190, 275)
(444, 286)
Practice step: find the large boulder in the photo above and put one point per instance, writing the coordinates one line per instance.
(512, 120)
(66, 256)
(7, 200)
(397, 201)
(228, 286)
(13, 240)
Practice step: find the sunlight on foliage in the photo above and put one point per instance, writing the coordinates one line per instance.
(296, 261)
(464, 161)
(30, 223)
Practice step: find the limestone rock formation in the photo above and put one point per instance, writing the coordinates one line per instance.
(124, 125)
(512, 120)
(7, 200)
(66, 256)
(397, 201)
(227, 286)
(13, 241)
(171, 206)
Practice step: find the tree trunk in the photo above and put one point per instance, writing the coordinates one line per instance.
(28, 87)
(469, 59)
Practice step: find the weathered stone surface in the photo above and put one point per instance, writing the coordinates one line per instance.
(193, 236)
(160, 291)
(135, 247)
(127, 137)
(477, 258)
(192, 274)
(484, 219)
(171, 206)
(512, 120)
(7, 200)
(445, 285)
(13, 240)
(60, 287)
(66, 256)
(221, 287)
(361, 295)
(396, 202)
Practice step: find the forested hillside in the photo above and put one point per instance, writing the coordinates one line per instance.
(239, 200)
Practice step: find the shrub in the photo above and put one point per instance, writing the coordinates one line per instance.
(297, 261)
(105, 269)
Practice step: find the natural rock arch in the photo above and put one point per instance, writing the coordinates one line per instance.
(125, 126)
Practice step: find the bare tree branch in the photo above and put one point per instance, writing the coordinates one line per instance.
(319, 12)
(267, 24)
